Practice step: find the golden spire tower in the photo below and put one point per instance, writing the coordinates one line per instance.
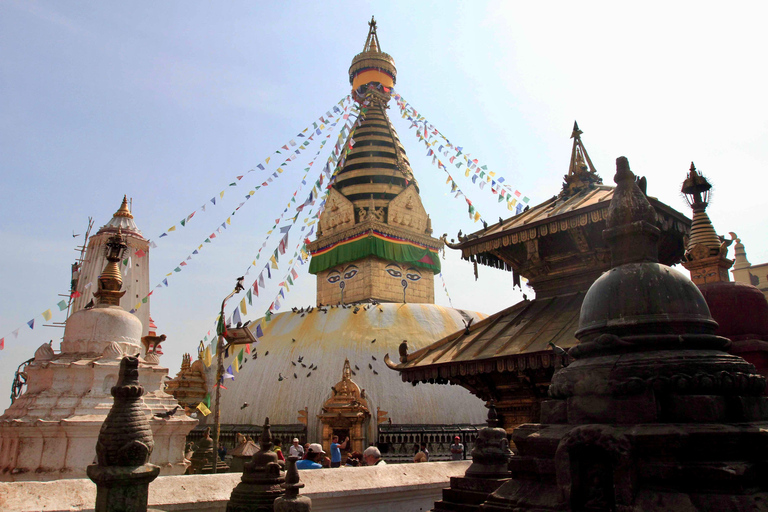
(374, 238)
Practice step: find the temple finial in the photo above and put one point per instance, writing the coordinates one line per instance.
(581, 172)
(124, 211)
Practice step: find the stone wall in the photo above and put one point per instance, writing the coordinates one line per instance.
(401, 487)
(378, 279)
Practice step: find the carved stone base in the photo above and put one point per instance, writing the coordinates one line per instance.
(119, 489)
(634, 468)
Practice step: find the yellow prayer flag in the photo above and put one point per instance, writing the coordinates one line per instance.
(221, 194)
(229, 220)
(491, 173)
(242, 307)
(235, 366)
(207, 358)
(172, 228)
(510, 206)
(280, 170)
(466, 172)
(47, 315)
(274, 263)
(268, 159)
(203, 409)
(477, 216)
(449, 179)
(251, 192)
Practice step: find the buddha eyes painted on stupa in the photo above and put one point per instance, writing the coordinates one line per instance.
(334, 276)
(396, 270)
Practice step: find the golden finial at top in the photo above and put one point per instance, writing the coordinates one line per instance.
(124, 211)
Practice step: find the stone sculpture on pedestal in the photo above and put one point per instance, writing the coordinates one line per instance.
(489, 469)
(122, 473)
(262, 479)
(292, 502)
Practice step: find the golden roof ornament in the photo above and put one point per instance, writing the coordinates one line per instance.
(372, 65)
(703, 241)
(110, 281)
(581, 172)
(124, 211)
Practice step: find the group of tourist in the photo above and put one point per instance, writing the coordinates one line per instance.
(312, 455)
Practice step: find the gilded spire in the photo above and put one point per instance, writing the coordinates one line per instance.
(696, 190)
(110, 281)
(581, 172)
(372, 65)
(705, 252)
(124, 211)
(372, 41)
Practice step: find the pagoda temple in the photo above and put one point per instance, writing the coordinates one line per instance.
(559, 247)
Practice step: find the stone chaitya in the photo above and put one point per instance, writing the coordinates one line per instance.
(292, 502)
(262, 479)
(123, 473)
(652, 414)
(489, 469)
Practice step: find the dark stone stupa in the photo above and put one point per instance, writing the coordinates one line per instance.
(262, 480)
(652, 414)
(122, 473)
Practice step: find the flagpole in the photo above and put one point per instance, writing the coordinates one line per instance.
(220, 372)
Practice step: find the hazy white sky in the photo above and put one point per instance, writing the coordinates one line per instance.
(168, 102)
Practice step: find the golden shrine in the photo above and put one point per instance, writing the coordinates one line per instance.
(345, 413)
(189, 386)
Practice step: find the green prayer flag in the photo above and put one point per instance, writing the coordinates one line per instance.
(62, 305)
(250, 297)
(183, 222)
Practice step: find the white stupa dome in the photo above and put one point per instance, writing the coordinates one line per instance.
(324, 340)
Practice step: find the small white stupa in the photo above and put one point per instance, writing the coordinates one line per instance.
(50, 431)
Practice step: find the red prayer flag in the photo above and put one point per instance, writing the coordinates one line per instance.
(248, 349)
(2, 343)
(75, 294)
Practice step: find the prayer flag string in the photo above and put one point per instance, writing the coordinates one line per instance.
(455, 156)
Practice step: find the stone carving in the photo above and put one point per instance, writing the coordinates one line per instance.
(292, 502)
(261, 481)
(491, 453)
(112, 351)
(202, 459)
(44, 352)
(122, 473)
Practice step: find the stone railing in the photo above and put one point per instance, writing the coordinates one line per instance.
(401, 487)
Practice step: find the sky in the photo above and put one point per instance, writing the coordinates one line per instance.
(168, 102)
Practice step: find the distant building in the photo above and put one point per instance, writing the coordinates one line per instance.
(745, 272)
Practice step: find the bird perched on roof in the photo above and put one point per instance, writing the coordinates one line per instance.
(293, 363)
(245, 404)
(300, 359)
(373, 340)
(467, 325)
(373, 357)
(357, 367)
(266, 353)
(280, 377)
(303, 365)
(167, 414)
(375, 372)
(560, 351)
(403, 349)
(294, 376)
(310, 373)
(293, 340)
